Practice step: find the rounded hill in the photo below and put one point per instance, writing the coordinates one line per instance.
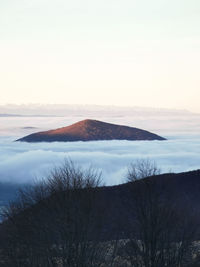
(91, 130)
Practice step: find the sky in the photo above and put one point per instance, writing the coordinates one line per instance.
(108, 52)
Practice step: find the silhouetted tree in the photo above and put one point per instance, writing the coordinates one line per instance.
(55, 222)
(142, 168)
(161, 233)
(63, 221)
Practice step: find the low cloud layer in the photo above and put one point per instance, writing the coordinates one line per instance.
(25, 162)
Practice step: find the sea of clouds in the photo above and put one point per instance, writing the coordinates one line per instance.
(22, 162)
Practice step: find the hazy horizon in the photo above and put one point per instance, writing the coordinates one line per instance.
(63, 107)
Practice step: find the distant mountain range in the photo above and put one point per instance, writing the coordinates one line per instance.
(88, 111)
(91, 130)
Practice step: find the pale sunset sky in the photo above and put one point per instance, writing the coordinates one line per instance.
(106, 52)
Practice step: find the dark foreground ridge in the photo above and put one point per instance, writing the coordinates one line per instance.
(155, 219)
(116, 205)
(91, 130)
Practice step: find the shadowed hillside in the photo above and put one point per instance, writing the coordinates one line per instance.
(71, 221)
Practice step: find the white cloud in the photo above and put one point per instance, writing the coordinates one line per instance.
(23, 162)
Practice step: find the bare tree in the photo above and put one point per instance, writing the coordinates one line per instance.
(142, 168)
(54, 223)
(160, 234)
(59, 221)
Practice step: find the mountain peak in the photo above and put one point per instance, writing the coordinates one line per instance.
(91, 130)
